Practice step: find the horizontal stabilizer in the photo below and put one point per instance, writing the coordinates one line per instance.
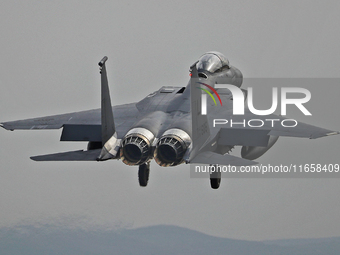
(80, 155)
(213, 158)
(92, 133)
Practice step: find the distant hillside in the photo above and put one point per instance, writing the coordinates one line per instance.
(31, 240)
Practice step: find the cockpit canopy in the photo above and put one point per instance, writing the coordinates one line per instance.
(212, 62)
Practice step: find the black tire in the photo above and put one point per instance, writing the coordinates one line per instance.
(143, 174)
(215, 183)
(215, 179)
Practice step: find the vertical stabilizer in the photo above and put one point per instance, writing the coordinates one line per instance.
(108, 125)
(109, 135)
(199, 122)
(201, 136)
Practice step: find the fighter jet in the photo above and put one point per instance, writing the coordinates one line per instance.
(173, 125)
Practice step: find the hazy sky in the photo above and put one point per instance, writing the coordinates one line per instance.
(49, 54)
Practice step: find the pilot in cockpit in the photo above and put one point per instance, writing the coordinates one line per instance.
(212, 62)
(215, 65)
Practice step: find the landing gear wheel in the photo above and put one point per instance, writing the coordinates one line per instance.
(215, 183)
(143, 174)
(215, 178)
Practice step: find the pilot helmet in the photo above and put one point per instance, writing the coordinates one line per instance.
(212, 62)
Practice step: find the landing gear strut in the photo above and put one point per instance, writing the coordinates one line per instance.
(215, 177)
(143, 174)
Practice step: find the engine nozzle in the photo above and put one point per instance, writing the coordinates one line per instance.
(136, 146)
(172, 147)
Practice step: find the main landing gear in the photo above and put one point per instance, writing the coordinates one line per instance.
(143, 174)
(144, 171)
(215, 177)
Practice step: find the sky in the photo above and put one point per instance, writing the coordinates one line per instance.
(49, 54)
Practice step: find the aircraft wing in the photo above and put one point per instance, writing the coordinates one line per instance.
(90, 117)
(48, 122)
(302, 130)
(78, 126)
(245, 125)
(254, 130)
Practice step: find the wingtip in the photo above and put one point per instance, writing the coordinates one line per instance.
(33, 158)
(3, 126)
(36, 158)
(319, 135)
(333, 133)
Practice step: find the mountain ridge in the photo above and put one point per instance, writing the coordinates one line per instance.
(159, 239)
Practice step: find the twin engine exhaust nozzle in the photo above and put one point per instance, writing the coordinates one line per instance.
(171, 147)
(140, 146)
(137, 146)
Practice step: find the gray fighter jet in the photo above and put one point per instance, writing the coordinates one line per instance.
(170, 125)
